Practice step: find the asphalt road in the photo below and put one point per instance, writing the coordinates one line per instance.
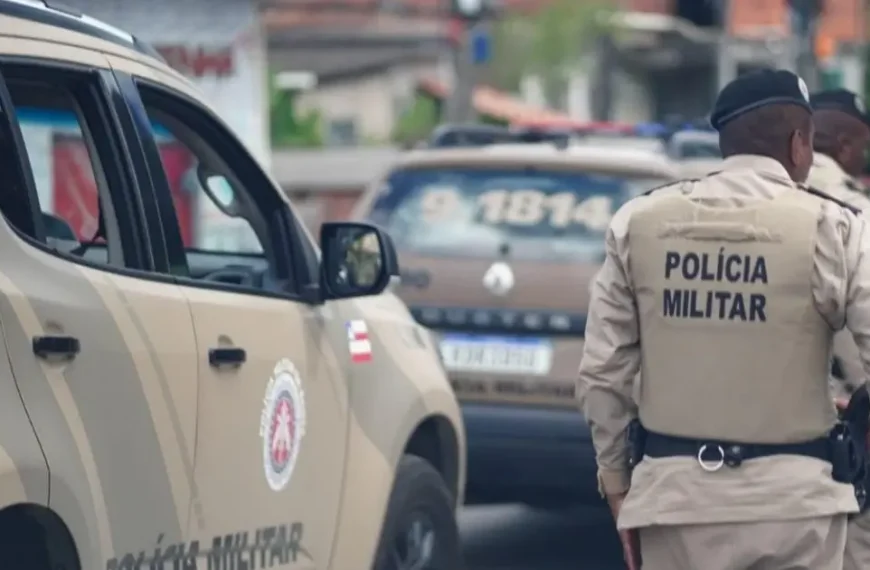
(518, 538)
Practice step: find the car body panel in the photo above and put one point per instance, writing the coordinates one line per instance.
(231, 403)
(102, 419)
(148, 448)
(400, 388)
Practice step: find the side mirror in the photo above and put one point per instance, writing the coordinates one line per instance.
(357, 259)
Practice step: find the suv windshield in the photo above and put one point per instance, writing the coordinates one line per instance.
(525, 213)
(696, 147)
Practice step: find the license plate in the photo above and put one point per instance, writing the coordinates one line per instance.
(473, 353)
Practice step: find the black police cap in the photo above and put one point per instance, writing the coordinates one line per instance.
(841, 100)
(758, 89)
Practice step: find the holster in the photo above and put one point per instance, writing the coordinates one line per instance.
(849, 455)
(636, 443)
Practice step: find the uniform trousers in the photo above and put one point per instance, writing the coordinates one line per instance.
(858, 543)
(805, 544)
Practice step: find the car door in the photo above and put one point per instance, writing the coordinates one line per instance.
(272, 428)
(105, 360)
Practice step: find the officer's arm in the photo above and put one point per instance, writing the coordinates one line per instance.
(856, 256)
(611, 359)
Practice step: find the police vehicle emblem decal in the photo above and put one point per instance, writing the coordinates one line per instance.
(282, 424)
(859, 104)
(803, 88)
(499, 278)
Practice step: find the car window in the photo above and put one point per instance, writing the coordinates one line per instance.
(202, 190)
(229, 215)
(690, 148)
(71, 188)
(533, 213)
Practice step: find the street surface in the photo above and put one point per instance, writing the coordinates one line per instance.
(518, 538)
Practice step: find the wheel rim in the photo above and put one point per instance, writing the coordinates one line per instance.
(414, 545)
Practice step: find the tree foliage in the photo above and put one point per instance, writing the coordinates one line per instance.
(286, 127)
(548, 44)
(417, 121)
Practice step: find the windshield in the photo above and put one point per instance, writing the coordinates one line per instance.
(530, 213)
(688, 149)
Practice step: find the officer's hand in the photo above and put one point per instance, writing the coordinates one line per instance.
(628, 538)
(841, 404)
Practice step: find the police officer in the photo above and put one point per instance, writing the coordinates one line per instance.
(725, 292)
(841, 140)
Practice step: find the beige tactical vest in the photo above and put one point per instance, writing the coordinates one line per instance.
(732, 345)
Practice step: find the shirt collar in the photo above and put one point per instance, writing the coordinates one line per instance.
(761, 164)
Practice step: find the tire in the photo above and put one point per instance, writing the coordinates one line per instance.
(22, 545)
(419, 500)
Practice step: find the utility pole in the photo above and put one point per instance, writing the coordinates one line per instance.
(469, 16)
(805, 22)
(726, 65)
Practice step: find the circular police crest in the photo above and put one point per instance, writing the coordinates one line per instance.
(859, 104)
(802, 86)
(282, 424)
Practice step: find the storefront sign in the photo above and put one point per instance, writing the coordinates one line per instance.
(198, 60)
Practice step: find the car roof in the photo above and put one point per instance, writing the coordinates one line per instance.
(53, 23)
(46, 28)
(59, 15)
(609, 157)
(696, 135)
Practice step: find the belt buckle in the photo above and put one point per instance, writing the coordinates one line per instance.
(711, 466)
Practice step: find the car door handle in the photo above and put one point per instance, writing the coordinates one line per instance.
(223, 356)
(60, 345)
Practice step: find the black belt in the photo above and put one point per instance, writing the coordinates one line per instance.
(712, 454)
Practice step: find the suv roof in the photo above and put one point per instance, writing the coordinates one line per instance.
(607, 156)
(62, 16)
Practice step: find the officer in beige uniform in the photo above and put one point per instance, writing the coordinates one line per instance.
(724, 293)
(841, 140)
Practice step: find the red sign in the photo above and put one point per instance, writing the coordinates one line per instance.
(197, 60)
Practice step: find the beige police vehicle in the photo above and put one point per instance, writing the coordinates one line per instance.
(500, 235)
(222, 395)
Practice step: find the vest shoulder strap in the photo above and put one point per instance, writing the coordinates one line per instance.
(661, 186)
(824, 196)
(681, 181)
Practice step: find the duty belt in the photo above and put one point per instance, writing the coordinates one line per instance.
(712, 455)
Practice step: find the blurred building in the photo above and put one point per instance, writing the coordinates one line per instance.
(218, 44)
(672, 56)
(667, 57)
(324, 184)
(367, 58)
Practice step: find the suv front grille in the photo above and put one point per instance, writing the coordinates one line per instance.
(510, 321)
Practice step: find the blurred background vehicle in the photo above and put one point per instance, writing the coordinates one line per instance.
(500, 233)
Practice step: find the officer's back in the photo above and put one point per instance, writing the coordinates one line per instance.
(725, 292)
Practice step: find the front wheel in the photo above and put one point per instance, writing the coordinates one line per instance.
(420, 531)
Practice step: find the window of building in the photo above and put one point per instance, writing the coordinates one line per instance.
(341, 132)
